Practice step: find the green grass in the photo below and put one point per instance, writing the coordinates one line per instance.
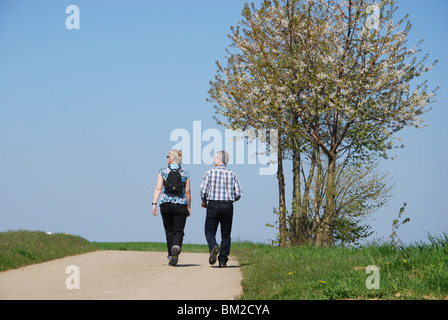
(148, 246)
(419, 271)
(21, 248)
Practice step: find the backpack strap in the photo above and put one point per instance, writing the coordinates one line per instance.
(178, 169)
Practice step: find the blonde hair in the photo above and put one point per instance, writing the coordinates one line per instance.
(175, 156)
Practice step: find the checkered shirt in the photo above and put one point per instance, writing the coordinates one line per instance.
(220, 183)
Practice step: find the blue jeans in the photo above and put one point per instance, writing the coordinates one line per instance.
(219, 212)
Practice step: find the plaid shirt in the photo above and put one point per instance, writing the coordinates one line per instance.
(222, 184)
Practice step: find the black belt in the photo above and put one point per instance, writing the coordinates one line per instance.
(220, 201)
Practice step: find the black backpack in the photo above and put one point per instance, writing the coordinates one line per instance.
(173, 183)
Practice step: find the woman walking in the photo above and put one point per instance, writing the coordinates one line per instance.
(173, 182)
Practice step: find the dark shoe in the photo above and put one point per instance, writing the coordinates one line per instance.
(175, 251)
(222, 265)
(213, 255)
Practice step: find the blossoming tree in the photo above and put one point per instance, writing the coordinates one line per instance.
(338, 81)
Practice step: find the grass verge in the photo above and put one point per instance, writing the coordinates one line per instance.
(418, 271)
(21, 248)
(148, 246)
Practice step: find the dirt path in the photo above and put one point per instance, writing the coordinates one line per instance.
(124, 275)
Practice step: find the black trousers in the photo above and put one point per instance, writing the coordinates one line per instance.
(174, 218)
(219, 213)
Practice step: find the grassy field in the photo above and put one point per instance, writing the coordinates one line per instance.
(418, 271)
(21, 248)
(413, 272)
(148, 246)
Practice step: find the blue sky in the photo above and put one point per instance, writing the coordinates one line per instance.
(86, 117)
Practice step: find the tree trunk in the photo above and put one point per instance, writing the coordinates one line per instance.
(306, 223)
(296, 230)
(324, 236)
(281, 195)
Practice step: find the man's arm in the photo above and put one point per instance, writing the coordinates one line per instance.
(204, 187)
(238, 192)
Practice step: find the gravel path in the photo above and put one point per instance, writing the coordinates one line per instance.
(123, 275)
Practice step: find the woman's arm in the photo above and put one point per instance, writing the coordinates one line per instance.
(157, 192)
(188, 195)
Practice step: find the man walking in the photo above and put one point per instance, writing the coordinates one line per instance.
(219, 189)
